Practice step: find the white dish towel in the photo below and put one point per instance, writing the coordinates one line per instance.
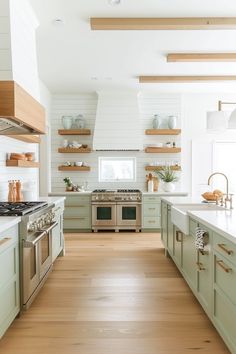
(201, 238)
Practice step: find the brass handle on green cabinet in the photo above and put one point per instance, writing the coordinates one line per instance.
(177, 233)
(222, 246)
(4, 240)
(200, 266)
(223, 266)
(151, 208)
(151, 221)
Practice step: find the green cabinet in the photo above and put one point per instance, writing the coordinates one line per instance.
(77, 213)
(164, 223)
(189, 260)
(9, 277)
(170, 232)
(151, 213)
(178, 247)
(57, 232)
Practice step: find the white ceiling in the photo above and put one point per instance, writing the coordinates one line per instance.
(70, 56)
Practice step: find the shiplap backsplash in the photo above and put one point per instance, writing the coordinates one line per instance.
(8, 145)
(86, 104)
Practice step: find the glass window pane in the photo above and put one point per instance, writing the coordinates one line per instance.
(117, 169)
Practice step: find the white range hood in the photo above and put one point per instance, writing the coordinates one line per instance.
(117, 124)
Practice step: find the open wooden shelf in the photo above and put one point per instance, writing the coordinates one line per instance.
(162, 131)
(74, 131)
(74, 150)
(73, 168)
(159, 168)
(163, 150)
(21, 163)
(31, 139)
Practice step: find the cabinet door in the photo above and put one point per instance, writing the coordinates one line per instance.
(56, 241)
(164, 223)
(178, 246)
(189, 260)
(170, 232)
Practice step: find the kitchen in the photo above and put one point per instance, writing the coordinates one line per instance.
(124, 275)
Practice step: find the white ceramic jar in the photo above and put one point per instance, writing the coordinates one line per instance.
(172, 122)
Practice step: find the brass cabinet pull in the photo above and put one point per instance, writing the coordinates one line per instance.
(222, 246)
(177, 233)
(224, 266)
(4, 240)
(151, 208)
(200, 266)
(151, 221)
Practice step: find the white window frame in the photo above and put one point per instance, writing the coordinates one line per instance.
(101, 159)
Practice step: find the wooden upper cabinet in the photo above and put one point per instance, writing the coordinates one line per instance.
(18, 104)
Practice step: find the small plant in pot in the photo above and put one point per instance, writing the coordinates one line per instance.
(168, 176)
(68, 183)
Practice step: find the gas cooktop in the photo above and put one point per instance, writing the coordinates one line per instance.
(19, 208)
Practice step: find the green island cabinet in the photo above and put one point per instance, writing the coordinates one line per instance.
(210, 274)
(57, 232)
(9, 277)
(77, 215)
(151, 212)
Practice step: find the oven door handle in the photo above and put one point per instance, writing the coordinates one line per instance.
(52, 226)
(29, 243)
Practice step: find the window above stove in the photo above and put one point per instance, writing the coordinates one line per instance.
(117, 169)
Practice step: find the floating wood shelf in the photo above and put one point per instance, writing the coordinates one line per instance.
(196, 78)
(31, 139)
(162, 131)
(162, 150)
(74, 131)
(153, 168)
(73, 168)
(74, 150)
(21, 163)
(201, 57)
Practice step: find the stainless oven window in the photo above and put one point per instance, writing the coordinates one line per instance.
(104, 213)
(128, 212)
(45, 248)
(33, 264)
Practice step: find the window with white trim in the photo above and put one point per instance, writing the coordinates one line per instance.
(117, 169)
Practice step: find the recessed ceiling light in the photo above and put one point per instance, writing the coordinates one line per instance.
(114, 2)
(58, 22)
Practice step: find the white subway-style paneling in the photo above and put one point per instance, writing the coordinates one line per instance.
(86, 104)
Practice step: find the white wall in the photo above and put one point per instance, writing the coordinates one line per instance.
(194, 108)
(86, 104)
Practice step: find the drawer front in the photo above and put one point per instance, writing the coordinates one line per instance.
(152, 209)
(9, 304)
(77, 200)
(192, 226)
(224, 247)
(9, 264)
(8, 238)
(77, 211)
(151, 222)
(189, 259)
(151, 199)
(225, 277)
(78, 223)
(225, 315)
(204, 276)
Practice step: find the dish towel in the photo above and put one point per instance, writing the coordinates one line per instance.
(200, 240)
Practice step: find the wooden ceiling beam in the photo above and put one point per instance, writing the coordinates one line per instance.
(176, 79)
(201, 57)
(163, 23)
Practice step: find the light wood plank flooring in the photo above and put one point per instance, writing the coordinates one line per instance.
(113, 293)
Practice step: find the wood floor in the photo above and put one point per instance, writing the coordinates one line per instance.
(113, 293)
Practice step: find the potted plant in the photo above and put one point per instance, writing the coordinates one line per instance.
(68, 183)
(168, 176)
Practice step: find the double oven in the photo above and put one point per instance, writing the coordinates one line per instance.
(116, 210)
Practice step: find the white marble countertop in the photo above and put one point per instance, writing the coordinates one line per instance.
(69, 193)
(162, 193)
(181, 200)
(8, 221)
(221, 221)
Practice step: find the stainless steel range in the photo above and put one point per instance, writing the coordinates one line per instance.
(116, 209)
(37, 222)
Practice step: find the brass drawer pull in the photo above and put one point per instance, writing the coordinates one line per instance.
(179, 236)
(4, 240)
(224, 266)
(200, 266)
(151, 208)
(151, 221)
(222, 246)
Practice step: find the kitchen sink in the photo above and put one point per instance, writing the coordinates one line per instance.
(180, 218)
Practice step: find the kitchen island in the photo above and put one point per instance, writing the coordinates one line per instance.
(210, 272)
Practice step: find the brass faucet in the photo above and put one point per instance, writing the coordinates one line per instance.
(227, 198)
